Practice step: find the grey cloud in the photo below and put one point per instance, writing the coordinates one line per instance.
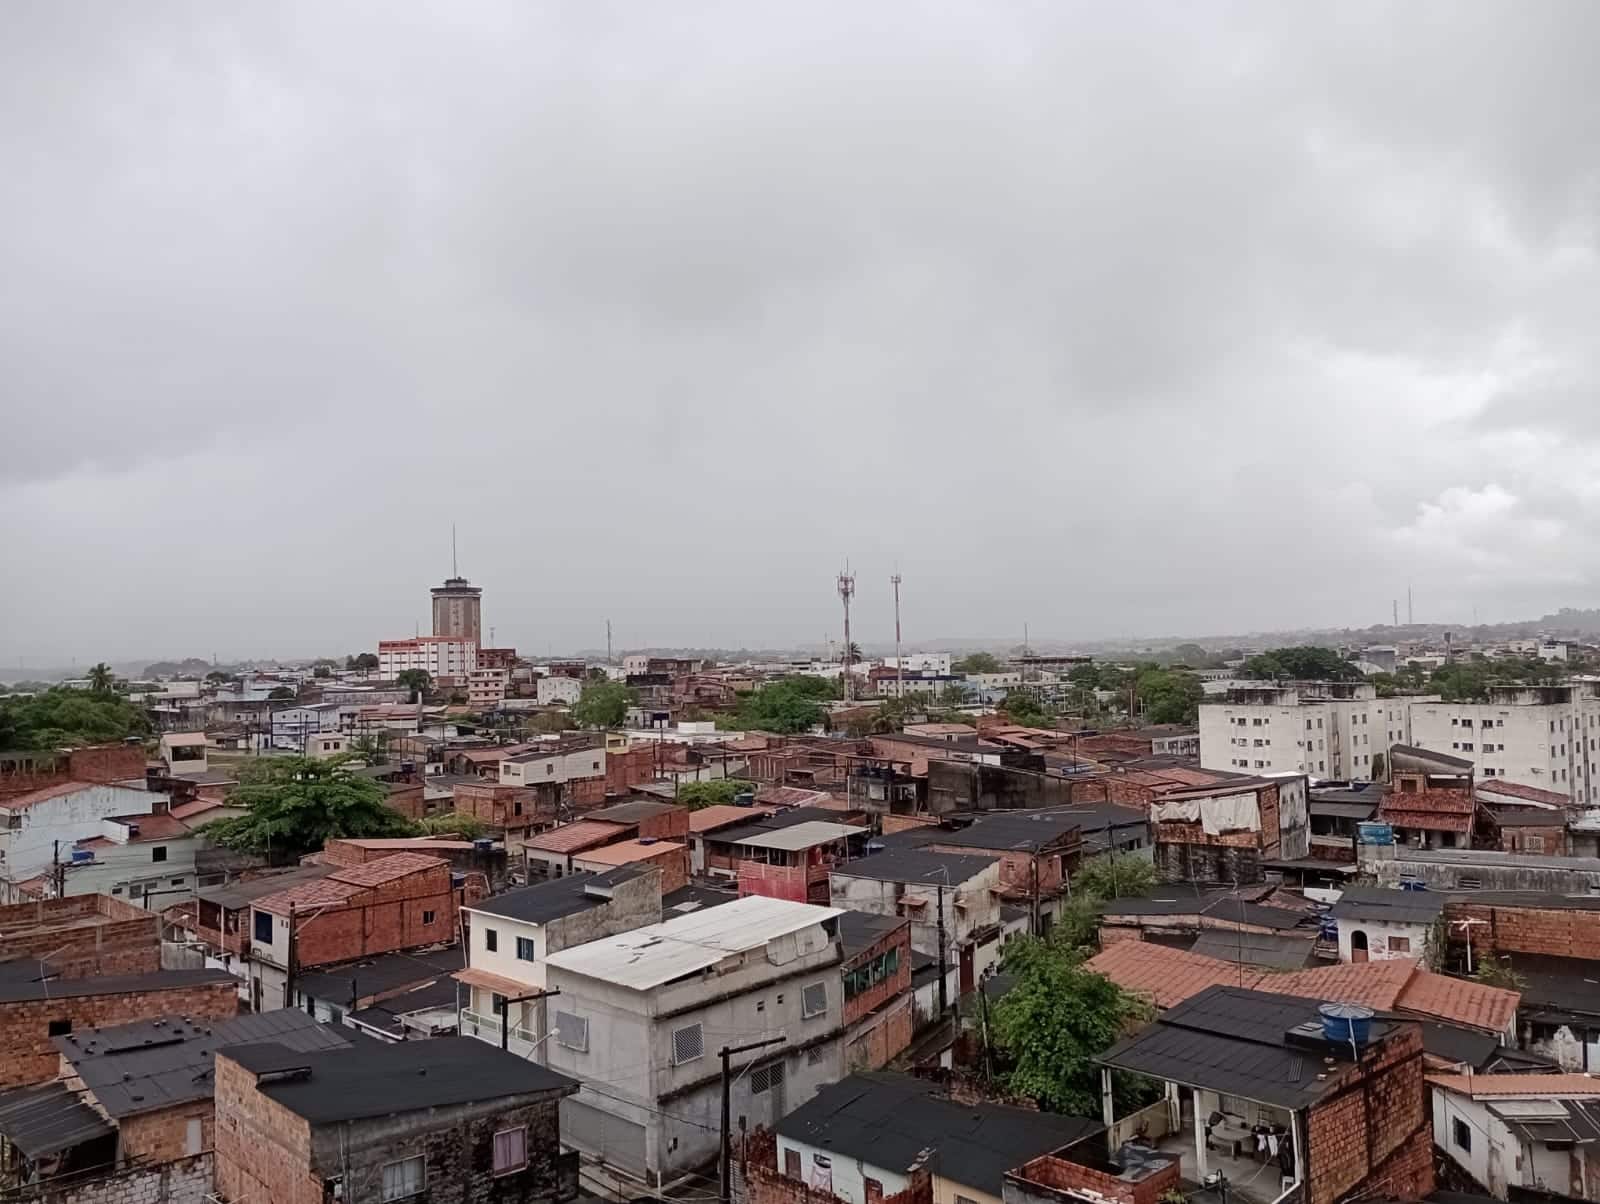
(1109, 320)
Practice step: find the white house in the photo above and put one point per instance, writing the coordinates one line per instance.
(1377, 923)
(510, 937)
(557, 691)
(642, 1015)
(1521, 1130)
(37, 827)
(557, 765)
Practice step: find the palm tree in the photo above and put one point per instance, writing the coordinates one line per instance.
(101, 679)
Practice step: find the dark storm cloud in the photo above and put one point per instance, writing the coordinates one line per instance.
(1146, 318)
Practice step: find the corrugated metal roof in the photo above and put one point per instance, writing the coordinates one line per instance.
(801, 836)
(648, 957)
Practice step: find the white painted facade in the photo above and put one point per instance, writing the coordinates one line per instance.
(921, 662)
(1385, 941)
(31, 834)
(1545, 738)
(557, 767)
(435, 655)
(1478, 1140)
(1289, 729)
(828, 1171)
(557, 691)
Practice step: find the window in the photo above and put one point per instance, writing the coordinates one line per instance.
(814, 1000)
(59, 1028)
(572, 1032)
(1399, 944)
(510, 1150)
(791, 1163)
(403, 1179)
(264, 927)
(176, 882)
(491, 940)
(427, 917)
(688, 1043)
(159, 853)
(766, 1078)
(1460, 1134)
(525, 948)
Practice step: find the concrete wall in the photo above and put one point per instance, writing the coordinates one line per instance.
(1378, 934)
(982, 907)
(67, 819)
(1549, 745)
(186, 1181)
(845, 1177)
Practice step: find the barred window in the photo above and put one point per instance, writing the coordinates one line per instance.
(765, 1078)
(688, 1043)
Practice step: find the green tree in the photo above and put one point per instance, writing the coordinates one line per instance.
(1026, 709)
(371, 747)
(321, 672)
(602, 704)
(468, 827)
(978, 662)
(418, 681)
(295, 805)
(1304, 662)
(1192, 656)
(1051, 1026)
(1108, 877)
(58, 717)
(787, 706)
(550, 723)
(279, 693)
(1169, 696)
(101, 679)
(1499, 972)
(216, 677)
(713, 793)
(362, 661)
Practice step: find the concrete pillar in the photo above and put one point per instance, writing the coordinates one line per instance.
(1296, 1119)
(1200, 1167)
(1108, 1110)
(1174, 1109)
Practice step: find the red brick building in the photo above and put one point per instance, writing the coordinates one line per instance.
(876, 972)
(403, 901)
(100, 764)
(82, 935)
(1431, 802)
(34, 1010)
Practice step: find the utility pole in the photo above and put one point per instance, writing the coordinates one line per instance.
(1411, 614)
(58, 872)
(505, 1012)
(608, 643)
(944, 967)
(847, 590)
(288, 973)
(1397, 612)
(725, 1053)
(899, 660)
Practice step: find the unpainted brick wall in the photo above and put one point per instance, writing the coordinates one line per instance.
(1557, 932)
(185, 1181)
(27, 1055)
(882, 1037)
(263, 1151)
(1373, 1134)
(162, 1136)
(386, 918)
(1050, 1178)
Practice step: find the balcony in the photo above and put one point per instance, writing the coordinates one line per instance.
(486, 1028)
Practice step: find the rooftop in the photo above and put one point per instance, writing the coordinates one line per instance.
(379, 1078)
(33, 798)
(721, 815)
(1271, 951)
(547, 901)
(348, 881)
(860, 930)
(677, 948)
(570, 838)
(626, 851)
(379, 975)
(887, 1120)
(241, 894)
(633, 811)
(26, 979)
(1391, 906)
(1002, 831)
(801, 836)
(48, 1119)
(1500, 1086)
(916, 865)
(1236, 1042)
(693, 898)
(155, 1064)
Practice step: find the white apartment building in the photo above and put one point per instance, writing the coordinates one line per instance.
(37, 827)
(557, 765)
(921, 662)
(487, 687)
(1544, 736)
(438, 656)
(1327, 730)
(511, 936)
(641, 1017)
(553, 691)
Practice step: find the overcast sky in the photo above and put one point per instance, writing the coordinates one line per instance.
(1107, 318)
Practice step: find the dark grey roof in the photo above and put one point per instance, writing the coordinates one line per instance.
(1233, 1041)
(887, 1120)
(1529, 819)
(632, 812)
(379, 975)
(1242, 911)
(1393, 906)
(48, 1119)
(154, 1064)
(916, 865)
(546, 901)
(1171, 899)
(438, 995)
(694, 898)
(379, 1078)
(1408, 756)
(775, 822)
(859, 930)
(1342, 810)
(1005, 830)
(1468, 1046)
(1272, 950)
(27, 979)
(1354, 793)
(237, 895)
(1581, 1123)
(1527, 898)
(1560, 985)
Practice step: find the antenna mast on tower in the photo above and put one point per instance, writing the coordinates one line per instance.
(454, 572)
(847, 590)
(899, 660)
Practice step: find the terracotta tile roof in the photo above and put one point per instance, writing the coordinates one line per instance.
(154, 827)
(196, 807)
(1375, 984)
(1532, 794)
(627, 851)
(23, 801)
(1424, 821)
(323, 892)
(1163, 975)
(570, 838)
(789, 796)
(720, 815)
(1469, 1003)
(387, 869)
(1481, 1085)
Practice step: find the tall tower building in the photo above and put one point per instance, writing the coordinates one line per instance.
(458, 610)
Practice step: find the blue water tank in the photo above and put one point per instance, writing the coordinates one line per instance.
(1346, 1022)
(82, 854)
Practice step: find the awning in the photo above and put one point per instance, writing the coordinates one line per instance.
(48, 1119)
(509, 987)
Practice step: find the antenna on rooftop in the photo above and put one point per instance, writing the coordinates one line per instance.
(453, 571)
(847, 590)
(899, 658)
